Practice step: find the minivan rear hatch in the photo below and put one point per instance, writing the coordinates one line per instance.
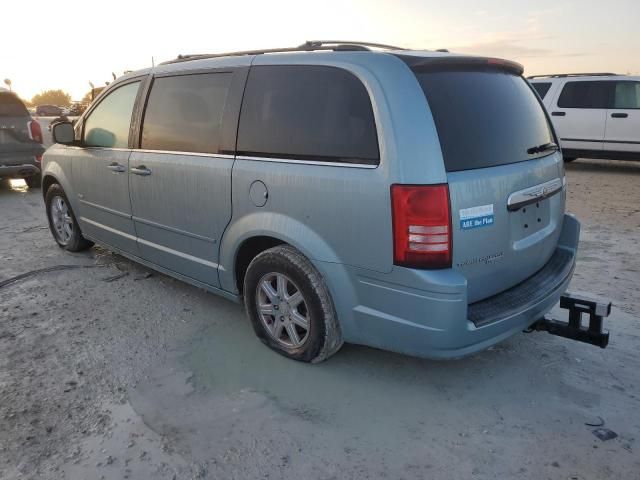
(504, 171)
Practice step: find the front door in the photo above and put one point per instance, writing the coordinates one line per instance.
(180, 181)
(100, 170)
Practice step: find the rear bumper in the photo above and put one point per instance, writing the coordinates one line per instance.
(19, 171)
(20, 163)
(426, 314)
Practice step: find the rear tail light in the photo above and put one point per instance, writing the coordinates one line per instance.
(38, 158)
(35, 132)
(421, 226)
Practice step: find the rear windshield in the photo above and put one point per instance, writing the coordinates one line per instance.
(484, 118)
(11, 106)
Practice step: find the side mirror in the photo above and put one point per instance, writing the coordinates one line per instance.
(63, 133)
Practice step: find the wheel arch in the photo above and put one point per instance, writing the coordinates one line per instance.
(54, 173)
(255, 233)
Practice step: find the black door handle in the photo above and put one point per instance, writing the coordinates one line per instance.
(559, 114)
(619, 115)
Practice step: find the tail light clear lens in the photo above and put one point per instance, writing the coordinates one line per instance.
(35, 132)
(421, 226)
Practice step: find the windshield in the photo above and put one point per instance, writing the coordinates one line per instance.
(11, 106)
(485, 118)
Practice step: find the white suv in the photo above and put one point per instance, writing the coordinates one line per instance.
(596, 115)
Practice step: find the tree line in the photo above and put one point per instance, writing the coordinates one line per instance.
(59, 97)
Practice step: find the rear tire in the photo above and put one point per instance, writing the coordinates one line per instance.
(290, 307)
(62, 222)
(33, 182)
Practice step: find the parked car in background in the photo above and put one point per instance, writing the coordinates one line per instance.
(596, 115)
(20, 141)
(76, 109)
(48, 111)
(408, 200)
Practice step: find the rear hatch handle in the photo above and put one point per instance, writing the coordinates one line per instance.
(534, 194)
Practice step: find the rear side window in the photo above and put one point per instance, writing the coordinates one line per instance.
(542, 88)
(308, 113)
(627, 95)
(585, 94)
(109, 123)
(11, 106)
(184, 113)
(484, 118)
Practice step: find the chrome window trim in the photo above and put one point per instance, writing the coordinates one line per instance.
(175, 152)
(308, 162)
(533, 194)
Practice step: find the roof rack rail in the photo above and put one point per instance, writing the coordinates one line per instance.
(309, 45)
(346, 43)
(563, 75)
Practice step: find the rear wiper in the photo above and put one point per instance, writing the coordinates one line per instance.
(543, 148)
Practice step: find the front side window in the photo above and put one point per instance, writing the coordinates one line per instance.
(109, 123)
(542, 88)
(184, 113)
(307, 112)
(587, 94)
(627, 95)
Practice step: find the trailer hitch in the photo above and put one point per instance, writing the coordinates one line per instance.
(573, 329)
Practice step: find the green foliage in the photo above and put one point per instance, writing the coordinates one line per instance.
(52, 97)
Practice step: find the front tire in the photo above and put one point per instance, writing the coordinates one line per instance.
(62, 222)
(290, 307)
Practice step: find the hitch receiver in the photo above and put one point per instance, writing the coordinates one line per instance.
(573, 329)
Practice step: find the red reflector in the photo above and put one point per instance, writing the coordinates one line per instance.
(421, 226)
(35, 132)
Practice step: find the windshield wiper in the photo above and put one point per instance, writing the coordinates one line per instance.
(543, 148)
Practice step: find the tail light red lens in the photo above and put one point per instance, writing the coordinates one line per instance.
(421, 226)
(35, 131)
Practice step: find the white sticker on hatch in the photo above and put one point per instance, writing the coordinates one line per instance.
(475, 217)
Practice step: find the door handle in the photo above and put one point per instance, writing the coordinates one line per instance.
(559, 114)
(141, 170)
(116, 167)
(619, 115)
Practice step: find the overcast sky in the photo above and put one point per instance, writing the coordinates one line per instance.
(67, 43)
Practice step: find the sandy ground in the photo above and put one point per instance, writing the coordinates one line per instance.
(111, 371)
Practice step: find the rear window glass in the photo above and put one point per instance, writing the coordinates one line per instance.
(542, 88)
(627, 95)
(11, 106)
(309, 113)
(184, 113)
(585, 94)
(484, 118)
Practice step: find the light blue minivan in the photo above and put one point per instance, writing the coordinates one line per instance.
(412, 201)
